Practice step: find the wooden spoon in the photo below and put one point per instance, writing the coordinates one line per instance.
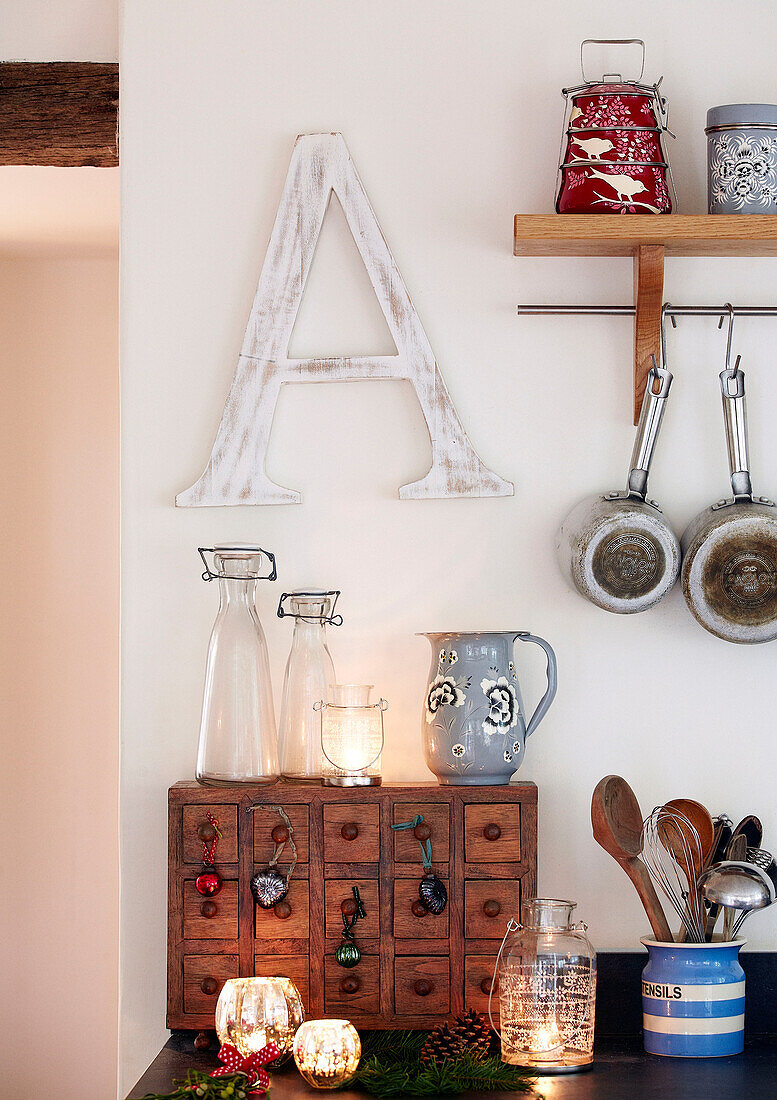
(617, 826)
(690, 856)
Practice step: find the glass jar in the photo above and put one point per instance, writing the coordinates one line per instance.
(252, 1012)
(310, 674)
(351, 736)
(547, 990)
(237, 731)
(327, 1052)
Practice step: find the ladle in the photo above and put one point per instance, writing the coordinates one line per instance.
(736, 885)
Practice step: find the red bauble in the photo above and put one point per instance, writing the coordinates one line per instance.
(208, 882)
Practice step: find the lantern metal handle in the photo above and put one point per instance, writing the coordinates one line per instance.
(382, 704)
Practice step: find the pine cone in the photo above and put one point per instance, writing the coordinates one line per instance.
(441, 1045)
(468, 1034)
(474, 1032)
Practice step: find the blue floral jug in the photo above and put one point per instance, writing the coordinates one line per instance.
(474, 727)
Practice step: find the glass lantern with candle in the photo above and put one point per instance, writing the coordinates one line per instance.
(351, 736)
(252, 1012)
(327, 1052)
(547, 990)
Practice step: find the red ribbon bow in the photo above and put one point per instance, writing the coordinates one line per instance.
(252, 1066)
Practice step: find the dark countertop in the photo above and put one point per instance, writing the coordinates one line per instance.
(621, 1069)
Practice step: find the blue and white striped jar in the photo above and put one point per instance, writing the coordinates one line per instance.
(693, 999)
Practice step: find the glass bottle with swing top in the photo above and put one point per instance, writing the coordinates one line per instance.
(310, 674)
(237, 730)
(546, 970)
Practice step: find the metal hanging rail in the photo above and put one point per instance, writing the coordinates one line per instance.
(630, 311)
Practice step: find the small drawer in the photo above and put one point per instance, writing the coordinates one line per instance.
(418, 925)
(352, 832)
(492, 832)
(339, 890)
(406, 846)
(478, 970)
(422, 986)
(194, 818)
(489, 905)
(295, 967)
(354, 990)
(210, 918)
(203, 978)
(272, 925)
(264, 823)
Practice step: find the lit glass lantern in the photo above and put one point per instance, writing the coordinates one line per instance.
(327, 1052)
(351, 736)
(547, 990)
(252, 1012)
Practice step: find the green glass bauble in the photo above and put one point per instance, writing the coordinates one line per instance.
(348, 954)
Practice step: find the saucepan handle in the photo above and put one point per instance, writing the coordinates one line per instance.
(732, 384)
(659, 381)
(551, 673)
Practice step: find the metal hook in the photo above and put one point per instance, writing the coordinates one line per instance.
(728, 306)
(664, 309)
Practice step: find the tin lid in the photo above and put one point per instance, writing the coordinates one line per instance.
(743, 114)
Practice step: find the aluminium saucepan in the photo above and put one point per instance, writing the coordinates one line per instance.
(729, 572)
(617, 549)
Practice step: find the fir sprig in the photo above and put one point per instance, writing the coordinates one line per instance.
(201, 1086)
(391, 1067)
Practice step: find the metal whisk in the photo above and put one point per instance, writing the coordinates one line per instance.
(672, 852)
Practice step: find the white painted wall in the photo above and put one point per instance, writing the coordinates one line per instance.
(60, 30)
(452, 112)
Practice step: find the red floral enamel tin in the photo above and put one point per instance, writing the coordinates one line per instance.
(614, 158)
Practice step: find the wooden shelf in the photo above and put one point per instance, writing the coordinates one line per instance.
(648, 238)
(623, 234)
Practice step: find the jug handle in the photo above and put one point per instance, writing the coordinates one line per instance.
(551, 672)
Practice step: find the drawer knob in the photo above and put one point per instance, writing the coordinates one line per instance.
(209, 986)
(348, 907)
(492, 908)
(280, 834)
(209, 909)
(422, 831)
(282, 910)
(350, 984)
(422, 987)
(419, 909)
(485, 986)
(349, 831)
(492, 831)
(206, 832)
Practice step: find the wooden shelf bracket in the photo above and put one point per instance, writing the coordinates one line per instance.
(648, 302)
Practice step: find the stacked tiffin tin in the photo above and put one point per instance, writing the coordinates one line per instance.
(613, 156)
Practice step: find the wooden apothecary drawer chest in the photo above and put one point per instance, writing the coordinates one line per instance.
(415, 968)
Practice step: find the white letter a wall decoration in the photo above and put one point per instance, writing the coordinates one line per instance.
(235, 473)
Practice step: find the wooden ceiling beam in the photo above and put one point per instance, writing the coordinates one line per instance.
(62, 113)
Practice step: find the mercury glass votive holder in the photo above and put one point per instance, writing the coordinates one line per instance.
(327, 1052)
(252, 1012)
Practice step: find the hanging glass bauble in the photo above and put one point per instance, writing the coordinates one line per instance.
(432, 892)
(208, 882)
(268, 887)
(347, 954)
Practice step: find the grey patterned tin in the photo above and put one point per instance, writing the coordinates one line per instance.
(742, 158)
